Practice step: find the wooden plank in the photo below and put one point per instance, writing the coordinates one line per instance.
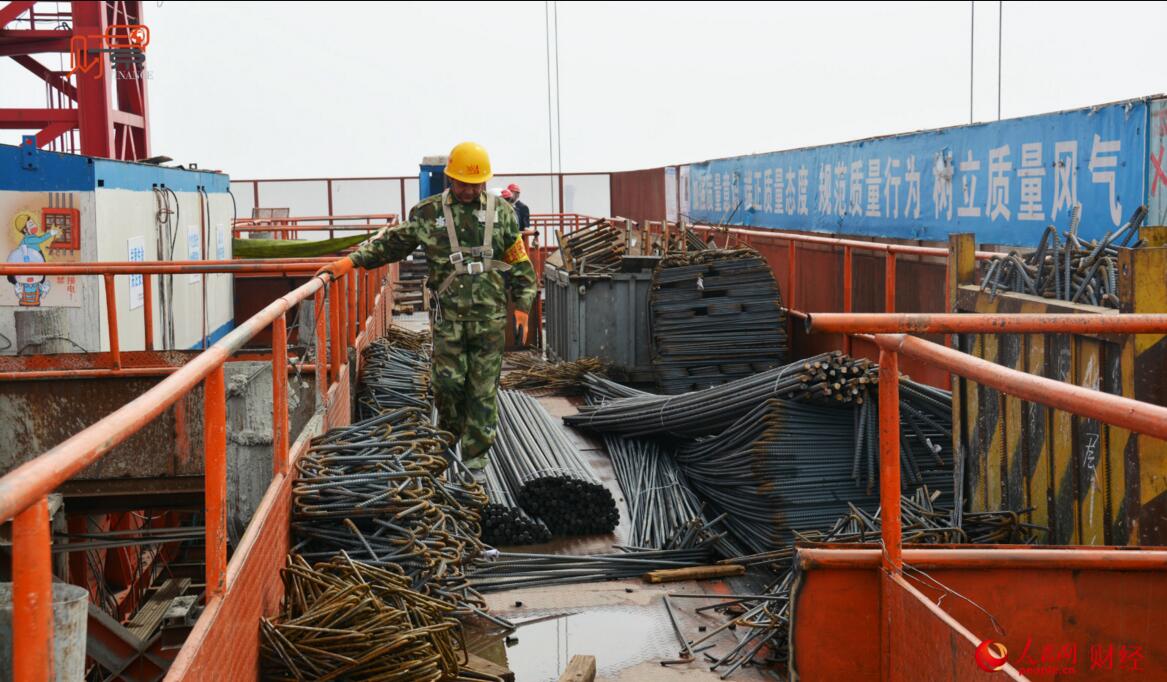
(482, 666)
(672, 575)
(1012, 428)
(1037, 455)
(961, 269)
(149, 617)
(1063, 524)
(580, 669)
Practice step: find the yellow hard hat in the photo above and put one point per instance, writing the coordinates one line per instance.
(469, 163)
(21, 219)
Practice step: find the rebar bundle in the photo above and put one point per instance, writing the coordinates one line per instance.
(503, 521)
(545, 472)
(716, 316)
(1065, 267)
(532, 372)
(380, 490)
(354, 621)
(513, 571)
(662, 507)
(706, 412)
(394, 375)
(594, 249)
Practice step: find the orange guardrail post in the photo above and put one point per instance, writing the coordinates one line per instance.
(848, 293)
(320, 327)
(889, 459)
(215, 466)
(889, 283)
(111, 318)
(148, 309)
(335, 304)
(32, 594)
(279, 379)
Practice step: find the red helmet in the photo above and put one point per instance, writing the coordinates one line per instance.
(513, 187)
(506, 194)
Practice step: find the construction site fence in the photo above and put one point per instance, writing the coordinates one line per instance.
(361, 313)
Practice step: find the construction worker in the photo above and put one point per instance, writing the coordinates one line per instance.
(521, 209)
(471, 238)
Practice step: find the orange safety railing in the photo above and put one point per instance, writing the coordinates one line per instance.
(117, 362)
(23, 490)
(890, 335)
(287, 228)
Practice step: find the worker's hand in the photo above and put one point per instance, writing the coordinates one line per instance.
(521, 319)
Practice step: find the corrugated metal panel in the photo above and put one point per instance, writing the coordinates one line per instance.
(639, 195)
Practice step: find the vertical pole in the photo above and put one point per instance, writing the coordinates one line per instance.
(351, 281)
(334, 330)
(148, 308)
(889, 283)
(790, 272)
(889, 459)
(320, 325)
(111, 318)
(848, 294)
(32, 594)
(215, 464)
(279, 381)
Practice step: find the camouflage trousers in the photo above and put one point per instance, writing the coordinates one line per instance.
(467, 362)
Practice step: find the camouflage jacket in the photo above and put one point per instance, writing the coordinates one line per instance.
(470, 297)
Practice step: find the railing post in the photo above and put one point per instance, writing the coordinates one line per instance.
(848, 297)
(111, 319)
(279, 380)
(32, 595)
(215, 465)
(889, 460)
(351, 280)
(335, 304)
(320, 327)
(889, 283)
(148, 308)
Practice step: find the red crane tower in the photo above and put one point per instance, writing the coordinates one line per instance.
(97, 105)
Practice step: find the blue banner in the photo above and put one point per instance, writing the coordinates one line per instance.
(1005, 181)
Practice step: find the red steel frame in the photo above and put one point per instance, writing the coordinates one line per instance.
(287, 228)
(895, 592)
(23, 490)
(108, 110)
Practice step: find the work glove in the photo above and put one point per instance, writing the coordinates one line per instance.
(521, 319)
(336, 268)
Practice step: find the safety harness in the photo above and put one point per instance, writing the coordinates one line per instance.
(481, 257)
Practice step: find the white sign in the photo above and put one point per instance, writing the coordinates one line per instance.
(136, 247)
(194, 249)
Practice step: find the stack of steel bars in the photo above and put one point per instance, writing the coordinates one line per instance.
(662, 507)
(594, 249)
(350, 620)
(716, 316)
(529, 371)
(545, 472)
(699, 413)
(381, 491)
(394, 376)
(1067, 268)
(513, 571)
(503, 521)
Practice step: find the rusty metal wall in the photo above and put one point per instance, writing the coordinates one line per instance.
(35, 416)
(1088, 483)
(639, 195)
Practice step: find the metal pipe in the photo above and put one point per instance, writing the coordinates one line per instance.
(1021, 558)
(215, 485)
(984, 323)
(863, 246)
(32, 590)
(280, 428)
(111, 320)
(889, 459)
(1137, 416)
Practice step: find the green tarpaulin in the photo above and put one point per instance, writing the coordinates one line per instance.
(282, 248)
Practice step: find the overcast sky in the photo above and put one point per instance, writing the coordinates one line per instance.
(348, 89)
